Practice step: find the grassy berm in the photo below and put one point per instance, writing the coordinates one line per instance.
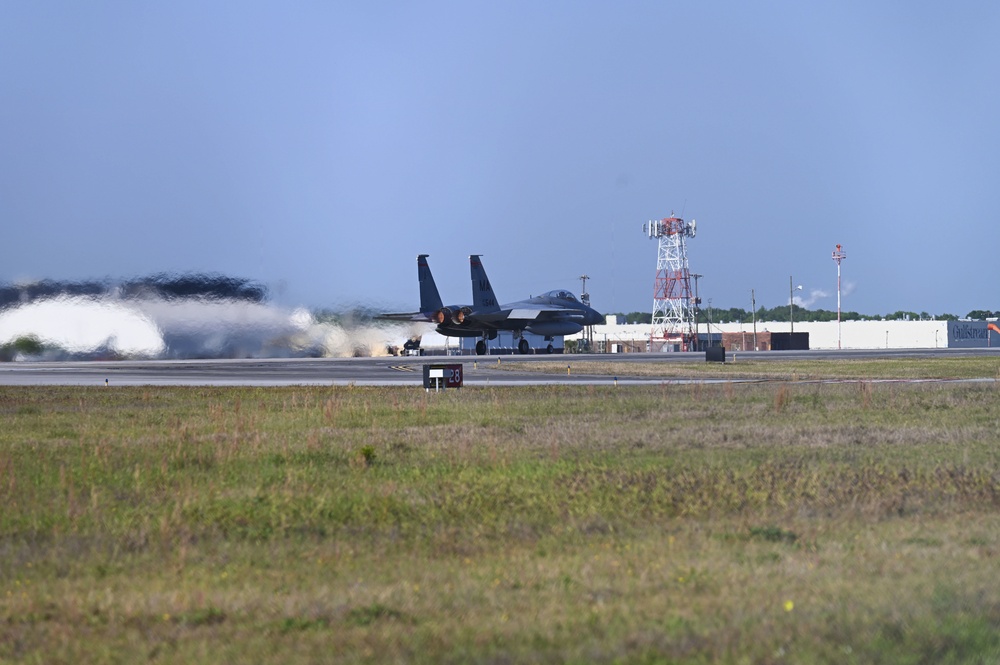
(733, 523)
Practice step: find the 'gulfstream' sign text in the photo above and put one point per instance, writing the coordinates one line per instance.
(970, 334)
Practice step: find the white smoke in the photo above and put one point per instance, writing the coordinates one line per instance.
(155, 327)
(808, 301)
(83, 325)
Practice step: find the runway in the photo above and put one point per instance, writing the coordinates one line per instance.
(393, 371)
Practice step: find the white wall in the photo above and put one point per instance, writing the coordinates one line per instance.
(822, 335)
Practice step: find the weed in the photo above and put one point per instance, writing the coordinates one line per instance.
(366, 455)
(780, 398)
(296, 624)
(209, 616)
(865, 388)
(365, 616)
(773, 534)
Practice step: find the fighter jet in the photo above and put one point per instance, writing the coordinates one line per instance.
(550, 314)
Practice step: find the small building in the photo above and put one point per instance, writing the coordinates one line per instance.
(765, 341)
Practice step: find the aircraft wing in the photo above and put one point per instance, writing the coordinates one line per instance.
(545, 314)
(522, 314)
(418, 317)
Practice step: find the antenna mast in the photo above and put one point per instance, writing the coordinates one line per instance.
(673, 315)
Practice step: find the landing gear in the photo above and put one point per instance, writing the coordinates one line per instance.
(522, 346)
(548, 349)
(481, 347)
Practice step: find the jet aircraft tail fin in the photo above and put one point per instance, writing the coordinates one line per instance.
(483, 298)
(430, 299)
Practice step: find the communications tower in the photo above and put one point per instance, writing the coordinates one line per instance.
(673, 314)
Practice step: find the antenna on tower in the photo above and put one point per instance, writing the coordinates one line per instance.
(673, 314)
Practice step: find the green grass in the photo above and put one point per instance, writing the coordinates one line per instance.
(775, 367)
(790, 522)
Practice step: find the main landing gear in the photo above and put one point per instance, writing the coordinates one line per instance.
(481, 349)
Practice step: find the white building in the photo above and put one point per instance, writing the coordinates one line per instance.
(623, 338)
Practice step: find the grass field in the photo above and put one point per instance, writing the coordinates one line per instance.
(874, 369)
(738, 523)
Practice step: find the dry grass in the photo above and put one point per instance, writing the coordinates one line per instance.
(793, 522)
(774, 368)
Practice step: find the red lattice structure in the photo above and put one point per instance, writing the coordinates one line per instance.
(673, 314)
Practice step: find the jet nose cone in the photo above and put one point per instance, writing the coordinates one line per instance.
(594, 317)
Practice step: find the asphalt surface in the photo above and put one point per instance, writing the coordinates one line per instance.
(478, 371)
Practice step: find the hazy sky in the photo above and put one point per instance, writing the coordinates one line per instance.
(319, 147)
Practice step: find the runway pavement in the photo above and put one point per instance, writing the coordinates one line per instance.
(405, 371)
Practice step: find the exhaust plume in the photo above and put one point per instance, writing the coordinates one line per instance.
(181, 316)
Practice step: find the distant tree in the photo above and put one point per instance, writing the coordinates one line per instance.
(981, 314)
(946, 317)
(731, 315)
(902, 316)
(634, 317)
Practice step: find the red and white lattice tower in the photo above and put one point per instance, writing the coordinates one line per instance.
(673, 314)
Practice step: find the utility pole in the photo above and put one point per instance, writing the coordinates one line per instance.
(753, 311)
(710, 322)
(838, 256)
(697, 304)
(585, 299)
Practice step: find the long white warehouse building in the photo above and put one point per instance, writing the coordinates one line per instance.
(614, 337)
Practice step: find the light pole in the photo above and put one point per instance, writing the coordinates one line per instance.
(791, 302)
(753, 311)
(838, 256)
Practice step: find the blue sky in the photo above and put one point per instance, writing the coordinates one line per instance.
(319, 147)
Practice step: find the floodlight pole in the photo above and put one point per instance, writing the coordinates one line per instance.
(838, 256)
(791, 302)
